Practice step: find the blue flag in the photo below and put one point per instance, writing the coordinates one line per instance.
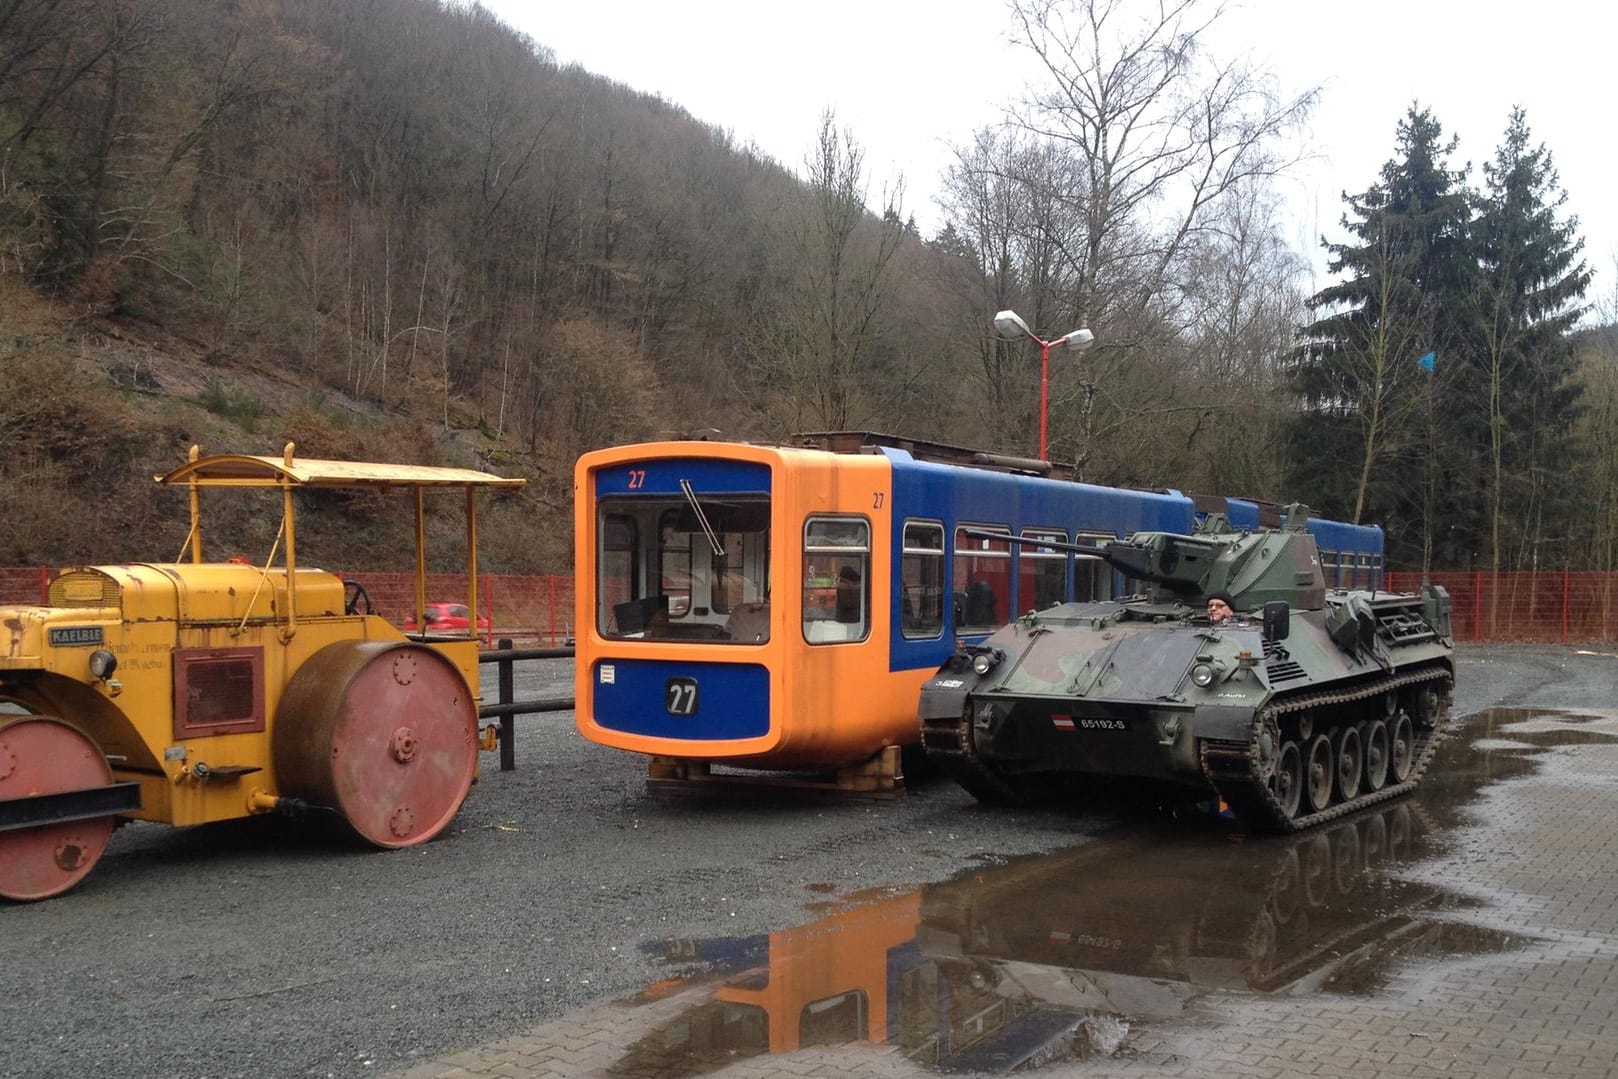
(1426, 362)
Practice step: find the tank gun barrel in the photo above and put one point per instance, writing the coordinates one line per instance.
(1181, 563)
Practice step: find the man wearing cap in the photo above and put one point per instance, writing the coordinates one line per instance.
(1221, 608)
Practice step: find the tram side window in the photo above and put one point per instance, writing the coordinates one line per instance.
(1362, 577)
(1041, 571)
(836, 579)
(982, 596)
(1093, 579)
(1376, 571)
(1328, 568)
(921, 580)
(620, 553)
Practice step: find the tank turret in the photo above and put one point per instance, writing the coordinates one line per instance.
(1255, 568)
(1303, 706)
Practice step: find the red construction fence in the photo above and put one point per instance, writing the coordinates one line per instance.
(1553, 606)
(527, 609)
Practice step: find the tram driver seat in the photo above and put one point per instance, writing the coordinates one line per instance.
(830, 631)
(634, 616)
(749, 622)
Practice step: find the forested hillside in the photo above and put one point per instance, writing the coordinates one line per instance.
(397, 229)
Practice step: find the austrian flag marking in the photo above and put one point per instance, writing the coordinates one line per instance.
(1062, 723)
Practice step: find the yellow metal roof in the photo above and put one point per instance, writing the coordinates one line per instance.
(238, 470)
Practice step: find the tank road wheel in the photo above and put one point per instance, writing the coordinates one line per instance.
(1317, 773)
(1425, 705)
(1350, 763)
(1374, 743)
(44, 755)
(1306, 727)
(385, 733)
(1401, 748)
(1287, 781)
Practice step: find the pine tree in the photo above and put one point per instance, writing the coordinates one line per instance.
(1531, 282)
(1364, 445)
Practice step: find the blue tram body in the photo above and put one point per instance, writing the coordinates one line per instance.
(959, 497)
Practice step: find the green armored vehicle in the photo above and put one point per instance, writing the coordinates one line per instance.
(1305, 706)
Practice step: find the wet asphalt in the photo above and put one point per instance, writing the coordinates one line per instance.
(264, 948)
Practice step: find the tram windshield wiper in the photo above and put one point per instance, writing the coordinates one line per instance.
(702, 519)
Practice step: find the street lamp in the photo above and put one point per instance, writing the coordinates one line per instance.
(1009, 326)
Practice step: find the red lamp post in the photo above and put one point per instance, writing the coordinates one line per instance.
(1009, 326)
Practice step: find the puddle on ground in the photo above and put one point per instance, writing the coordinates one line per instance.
(1045, 959)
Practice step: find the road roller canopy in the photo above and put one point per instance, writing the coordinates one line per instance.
(239, 470)
(288, 473)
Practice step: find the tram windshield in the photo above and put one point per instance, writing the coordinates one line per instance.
(693, 568)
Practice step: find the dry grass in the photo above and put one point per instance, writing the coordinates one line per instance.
(93, 407)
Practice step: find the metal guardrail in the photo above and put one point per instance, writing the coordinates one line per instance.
(506, 709)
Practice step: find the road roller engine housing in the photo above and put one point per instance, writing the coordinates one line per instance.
(194, 691)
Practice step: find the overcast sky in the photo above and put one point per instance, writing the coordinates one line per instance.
(912, 78)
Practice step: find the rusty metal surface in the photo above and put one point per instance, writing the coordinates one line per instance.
(239, 470)
(43, 755)
(383, 732)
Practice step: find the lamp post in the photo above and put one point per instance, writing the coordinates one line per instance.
(1009, 326)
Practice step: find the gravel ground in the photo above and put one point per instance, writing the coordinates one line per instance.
(261, 948)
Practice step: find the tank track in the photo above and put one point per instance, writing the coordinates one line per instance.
(948, 744)
(1236, 770)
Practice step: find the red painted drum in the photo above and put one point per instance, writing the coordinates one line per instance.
(385, 733)
(44, 755)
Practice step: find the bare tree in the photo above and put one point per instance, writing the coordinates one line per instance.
(1166, 137)
(71, 98)
(1010, 214)
(829, 335)
(1245, 301)
(1596, 432)
(1165, 133)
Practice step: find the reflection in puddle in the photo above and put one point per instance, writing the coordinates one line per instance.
(1048, 958)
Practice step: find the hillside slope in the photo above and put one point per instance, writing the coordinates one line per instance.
(96, 406)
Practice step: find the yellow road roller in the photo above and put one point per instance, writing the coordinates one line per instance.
(197, 691)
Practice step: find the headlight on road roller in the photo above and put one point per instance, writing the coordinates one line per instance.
(103, 663)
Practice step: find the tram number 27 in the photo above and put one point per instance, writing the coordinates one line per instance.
(680, 696)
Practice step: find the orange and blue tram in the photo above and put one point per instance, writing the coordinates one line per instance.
(778, 607)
